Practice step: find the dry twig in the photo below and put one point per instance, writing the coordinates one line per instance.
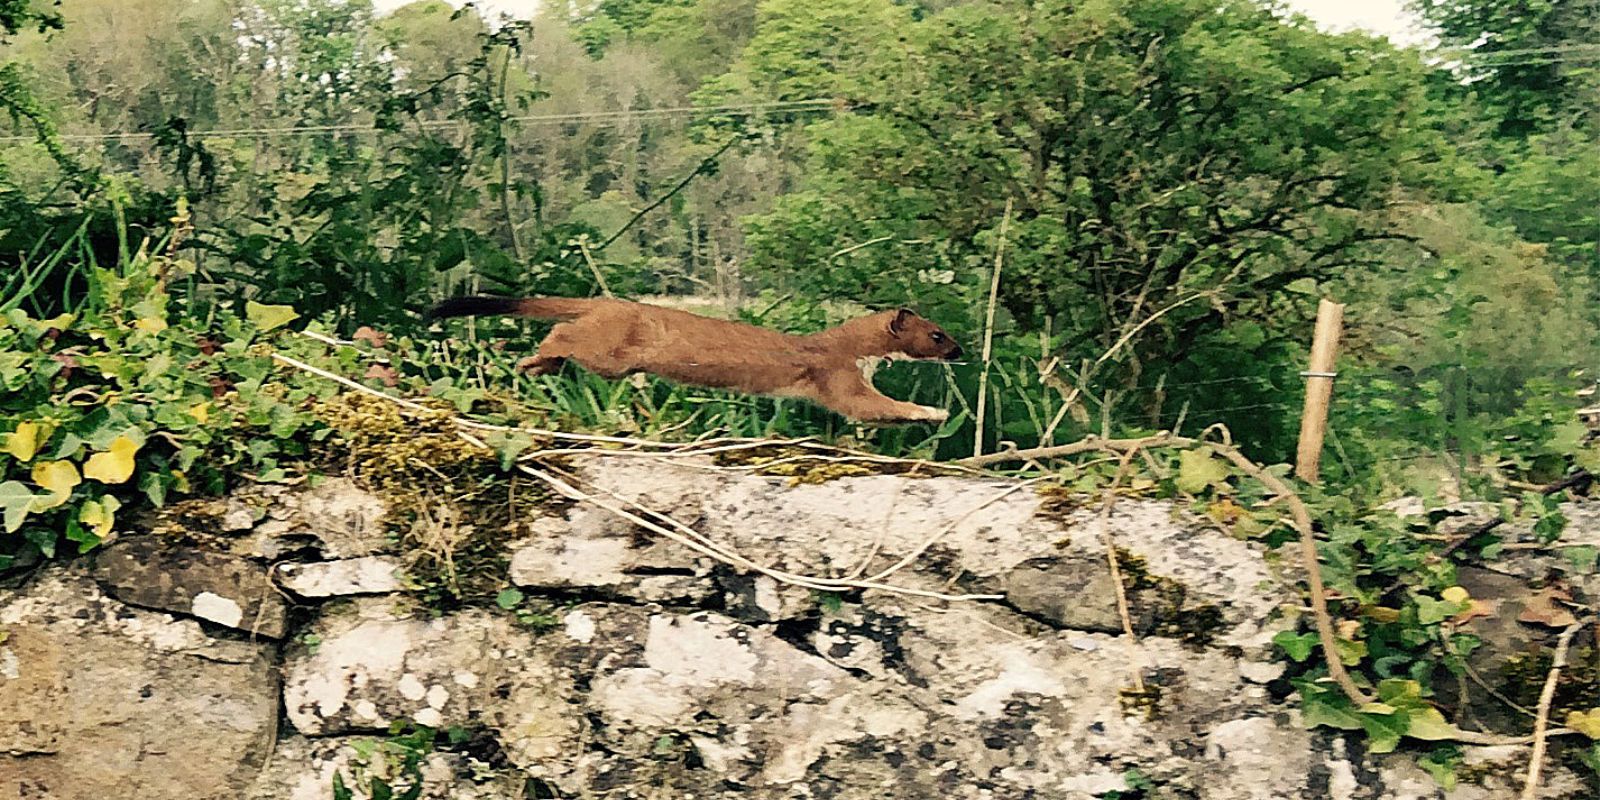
(1542, 720)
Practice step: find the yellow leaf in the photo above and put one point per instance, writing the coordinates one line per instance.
(1585, 722)
(24, 442)
(268, 317)
(60, 322)
(57, 477)
(150, 324)
(201, 412)
(113, 466)
(1455, 594)
(100, 515)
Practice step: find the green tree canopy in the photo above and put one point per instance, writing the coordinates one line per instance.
(1531, 61)
(1157, 152)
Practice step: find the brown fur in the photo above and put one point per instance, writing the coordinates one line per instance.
(614, 338)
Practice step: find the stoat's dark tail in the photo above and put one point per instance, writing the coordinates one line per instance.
(536, 307)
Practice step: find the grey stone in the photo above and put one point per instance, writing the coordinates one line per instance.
(304, 769)
(337, 517)
(104, 700)
(550, 557)
(217, 587)
(372, 666)
(347, 576)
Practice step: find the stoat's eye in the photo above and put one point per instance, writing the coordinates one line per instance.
(938, 338)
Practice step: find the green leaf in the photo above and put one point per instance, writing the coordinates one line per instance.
(1400, 692)
(16, 501)
(509, 598)
(1199, 469)
(1427, 723)
(44, 540)
(1383, 731)
(1441, 764)
(1298, 646)
(267, 317)
(1328, 708)
(1433, 612)
(85, 539)
(1582, 558)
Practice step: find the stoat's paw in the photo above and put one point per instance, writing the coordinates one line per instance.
(929, 414)
(527, 363)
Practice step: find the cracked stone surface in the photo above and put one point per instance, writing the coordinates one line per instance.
(101, 699)
(303, 769)
(343, 577)
(667, 675)
(980, 536)
(216, 587)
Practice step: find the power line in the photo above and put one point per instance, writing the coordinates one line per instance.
(1477, 52)
(611, 117)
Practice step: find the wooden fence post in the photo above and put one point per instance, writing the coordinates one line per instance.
(1319, 389)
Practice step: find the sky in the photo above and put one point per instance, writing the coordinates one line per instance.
(1387, 17)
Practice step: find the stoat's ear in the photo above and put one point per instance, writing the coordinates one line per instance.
(897, 323)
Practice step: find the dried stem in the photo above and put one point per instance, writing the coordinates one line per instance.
(1134, 655)
(988, 331)
(1542, 718)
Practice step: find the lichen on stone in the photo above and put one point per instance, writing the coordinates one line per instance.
(806, 466)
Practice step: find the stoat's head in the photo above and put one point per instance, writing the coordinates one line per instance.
(911, 336)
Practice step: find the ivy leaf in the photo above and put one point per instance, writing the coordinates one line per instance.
(1441, 764)
(150, 324)
(268, 317)
(24, 442)
(69, 447)
(1198, 469)
(1568, 437)
(1320, 704)
(1297, 646)
(1585, 722)
(1427, 723)
(85, 539)
(1383, 731)
(99, 515)
(508, 598)
(16, 500)
(57, 477)
(113, 466)
(1433, 612)
(1582, 558)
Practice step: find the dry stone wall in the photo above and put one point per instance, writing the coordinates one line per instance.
(262, 662)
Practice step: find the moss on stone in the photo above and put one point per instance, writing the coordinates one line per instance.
(1164, 599)
(452, 507)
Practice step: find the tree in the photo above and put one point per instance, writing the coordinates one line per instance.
(808, 49)
(1532, 61)
(16, 15)
(1173, 164)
